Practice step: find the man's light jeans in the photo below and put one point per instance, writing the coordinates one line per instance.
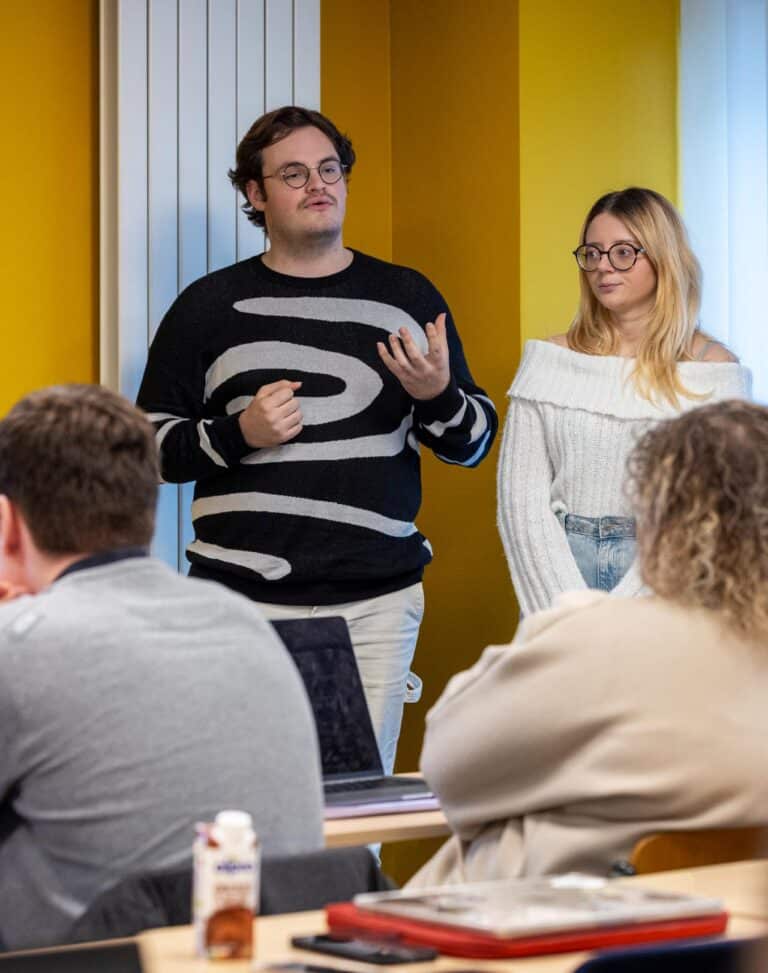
(384, 631)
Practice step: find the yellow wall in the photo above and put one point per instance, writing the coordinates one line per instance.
(355, 92)
(48, 183)
(455, 216)
(598, 102)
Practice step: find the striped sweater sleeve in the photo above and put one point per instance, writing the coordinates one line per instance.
(460, 424)
(540, 560)
(191, 446)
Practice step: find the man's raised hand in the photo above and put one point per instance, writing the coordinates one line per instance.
(273, 416)
(422, 376)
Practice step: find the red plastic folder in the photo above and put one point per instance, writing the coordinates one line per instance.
(346, 919)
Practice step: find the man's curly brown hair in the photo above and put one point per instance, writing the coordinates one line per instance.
(699, 485)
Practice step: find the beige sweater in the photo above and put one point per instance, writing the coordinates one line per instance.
(572, 422)
(606, 719)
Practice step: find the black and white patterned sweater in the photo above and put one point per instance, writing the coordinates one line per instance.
(329, 516)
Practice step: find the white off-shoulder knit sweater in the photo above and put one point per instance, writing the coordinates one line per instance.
(572, 422)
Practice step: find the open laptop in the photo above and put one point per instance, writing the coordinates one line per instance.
(352, 770)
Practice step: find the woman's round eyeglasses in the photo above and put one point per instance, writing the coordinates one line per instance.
(296, 175)
(621, 256)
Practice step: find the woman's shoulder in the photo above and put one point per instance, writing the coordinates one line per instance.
(555, 352)
(559, 339)
(704, 349)
(547, 362)
(718, 352)
(707, 349)
(714, 371)
(551, 372)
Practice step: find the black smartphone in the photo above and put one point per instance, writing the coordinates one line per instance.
(366, 950)
(292, 967)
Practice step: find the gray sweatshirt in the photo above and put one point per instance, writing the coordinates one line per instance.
(134, 702)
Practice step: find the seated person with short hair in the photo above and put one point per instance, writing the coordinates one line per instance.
(610, 718)
(133, 701)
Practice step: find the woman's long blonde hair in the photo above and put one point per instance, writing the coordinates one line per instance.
(658, 228)
(699, 487)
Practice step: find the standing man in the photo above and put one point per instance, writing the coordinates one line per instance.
(295, 388)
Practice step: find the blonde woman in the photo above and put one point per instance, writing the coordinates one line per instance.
(632, 356)
(665, 725)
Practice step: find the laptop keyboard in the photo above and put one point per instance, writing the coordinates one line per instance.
(355, 785)
(378, 783)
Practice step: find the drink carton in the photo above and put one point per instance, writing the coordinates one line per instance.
(227, 861)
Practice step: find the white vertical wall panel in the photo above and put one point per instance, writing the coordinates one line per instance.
(193, 182)
(182, 81)
(109, 357)
(724, 167)
(250, 102)
(278, 53)
(162, 160)
(162, 210)
(193, 141)
(132, 191)
(306, 53)
(222, 131)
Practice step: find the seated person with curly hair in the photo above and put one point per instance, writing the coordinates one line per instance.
(610, 718)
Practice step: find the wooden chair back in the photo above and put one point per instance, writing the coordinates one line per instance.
(666, 850)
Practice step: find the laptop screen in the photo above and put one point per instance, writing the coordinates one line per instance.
(322, 651)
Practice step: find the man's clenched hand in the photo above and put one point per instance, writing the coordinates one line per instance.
(273, 415)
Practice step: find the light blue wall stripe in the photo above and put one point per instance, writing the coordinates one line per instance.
(724, 167)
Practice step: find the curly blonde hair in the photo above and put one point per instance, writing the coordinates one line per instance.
(658, 228)
(699, 485)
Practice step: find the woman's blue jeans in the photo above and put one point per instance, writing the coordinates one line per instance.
(603, 547)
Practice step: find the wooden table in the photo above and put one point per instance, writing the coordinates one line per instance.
(384, 828)
(743, 886)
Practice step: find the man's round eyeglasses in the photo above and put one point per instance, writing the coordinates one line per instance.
(621, 256)
(296, 175)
